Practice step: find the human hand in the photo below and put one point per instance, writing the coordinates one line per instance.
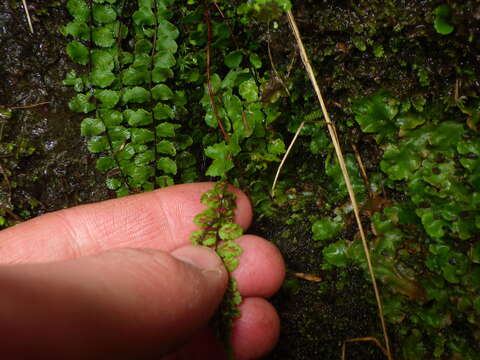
(80, 284)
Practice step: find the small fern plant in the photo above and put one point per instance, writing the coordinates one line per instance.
(142, 92)
(133, 112)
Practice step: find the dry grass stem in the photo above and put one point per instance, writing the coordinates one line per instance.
(343, 167)
(368, 339)
(27, 13)
(363, 171)
(286, 156)
(30, 106)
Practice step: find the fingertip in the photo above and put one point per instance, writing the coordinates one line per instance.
(262, 270)
(183, 202)
(256, 332)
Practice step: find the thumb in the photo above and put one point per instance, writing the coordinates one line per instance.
(124, 304)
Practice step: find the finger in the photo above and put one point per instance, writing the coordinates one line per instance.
(159, 219)
(253, 336)
(261, 268)
(123, 304)
(256, 332)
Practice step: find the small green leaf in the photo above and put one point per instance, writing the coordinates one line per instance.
(81, 103)
(249, 90)
(73, 80)
(98, 144)
(144, 16)
(326, 228)
(233, 59)
(164, 59)
(91, 127)
(103, 36)
(166, 129)
(135, 95)
(123, 191)
(206, 218)
(102, 60)
(164, 181)
(229, 251)
(335, 254)
(119, 133)
(167, 165)
(230, 231)
(142, 136)
(167, 44)
(79, 10)
(127, 153)
(105, 163)
(143, 46)
(162, 112)
(441, 23)
(104, 14)
(139, 174)
(111, 117)
(255, 61)
(161, 74)
(209, 238)
(400, 162)
(113, 183)
(138, 117)
(135, 75)
(375, 114)
(276, 147)
(108, 98)
(162, 92)
(222, 159)
(167, 30)
(166, 147)
(211, 199)
(78, 52)
(144, 158)
(78, 30)
(102, 78)
(432, 225)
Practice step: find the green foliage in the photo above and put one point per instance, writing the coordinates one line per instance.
(78, 52)
(326, 228)
(375, 114)
(442, 19)
(150, 98)
(124, 107)
(431, 159)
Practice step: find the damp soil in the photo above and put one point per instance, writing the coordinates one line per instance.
(45, 164)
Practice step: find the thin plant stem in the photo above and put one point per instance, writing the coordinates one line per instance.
(363, 171)
(209, 80)
(27, 13)
(362, 339)
(299, 130)
(333, 134)
(30, 106)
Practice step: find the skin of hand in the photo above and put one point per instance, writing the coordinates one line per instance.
(119, 280)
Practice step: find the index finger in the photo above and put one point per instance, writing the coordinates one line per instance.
(161, 219)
